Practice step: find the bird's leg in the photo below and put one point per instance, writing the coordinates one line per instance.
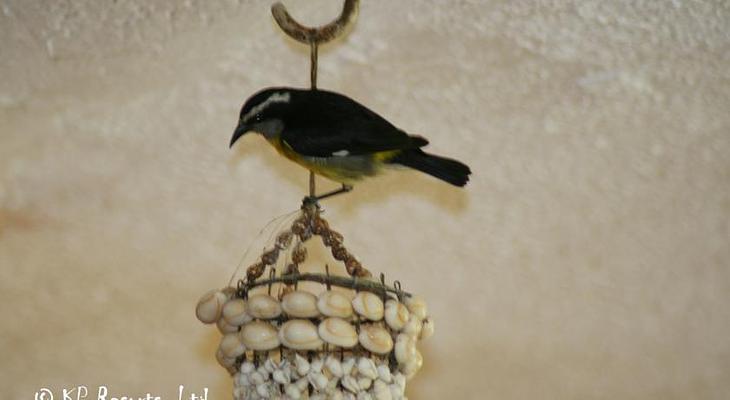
(343, 189)
(314, 199)
(312, 182)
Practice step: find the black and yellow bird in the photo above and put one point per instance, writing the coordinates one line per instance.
(337, 137)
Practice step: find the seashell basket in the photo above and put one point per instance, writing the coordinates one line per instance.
(344, 336)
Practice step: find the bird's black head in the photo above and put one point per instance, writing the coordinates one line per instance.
(263, 112)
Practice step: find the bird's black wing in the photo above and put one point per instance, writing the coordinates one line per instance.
(323, 124)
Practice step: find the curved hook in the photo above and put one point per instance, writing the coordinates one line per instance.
(318, 35)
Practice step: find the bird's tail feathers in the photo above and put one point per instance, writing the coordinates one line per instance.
(446, 169)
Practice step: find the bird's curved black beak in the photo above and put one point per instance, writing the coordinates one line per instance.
(241, 130)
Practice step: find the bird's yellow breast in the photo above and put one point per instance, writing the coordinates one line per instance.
(339, 169)
(284, 149)
(320, 168)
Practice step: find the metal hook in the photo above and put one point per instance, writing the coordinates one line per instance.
(318, 35)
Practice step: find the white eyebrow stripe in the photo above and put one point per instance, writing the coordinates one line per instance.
(274, 98)
(341, 153)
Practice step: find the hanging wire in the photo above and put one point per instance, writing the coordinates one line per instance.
(314, 46)
(281, 218)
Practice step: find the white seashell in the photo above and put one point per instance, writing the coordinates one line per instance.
(419, 359)
(257, 378)
(417, 306)
(263, 306)
(336, 395)
(364, 396)
(366, 367)
(381, 391)
(384, 373)
(412, 366)
(400, 380)
(263, 390)
(229, 292)
(259, 335)
(368, 305)
(292, 391)
(302, 384)
(348, 364)
(231, 345)
(300, 304)
(413, 327)
(247, 367)
(210, 306)
(348, 396)
(375, 339)
(396, 392)
(334, 304)
(333, 365)
(316, 365)
(426, 329)
(224, 327)
(405, 348)
(264, 372)
(234, 312)
(396, 314)
(338, 332)
(225, 362)
(270, 365)
(318, 380)
(349, 382)
(237, 378)
(332, 384)
(318, 396)
(282, 376)
(364, 383)
(299, 334)
(301, 364)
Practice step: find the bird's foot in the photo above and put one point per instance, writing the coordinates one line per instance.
(310, 201)
(314, 200)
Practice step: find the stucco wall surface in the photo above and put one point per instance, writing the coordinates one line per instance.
(588, 258)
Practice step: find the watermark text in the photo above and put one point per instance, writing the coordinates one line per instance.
(102, 392)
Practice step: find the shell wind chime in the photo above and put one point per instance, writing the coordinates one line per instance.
(353, 338)
(315, 335)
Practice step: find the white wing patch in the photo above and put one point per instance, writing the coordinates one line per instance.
(341, 153)
(274, 98)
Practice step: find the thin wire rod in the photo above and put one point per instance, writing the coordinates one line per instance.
(314, 46)
(341, 281)
(313, 82)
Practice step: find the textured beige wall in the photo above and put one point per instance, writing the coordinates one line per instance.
(587, 259)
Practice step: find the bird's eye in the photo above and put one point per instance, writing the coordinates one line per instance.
(258, 118)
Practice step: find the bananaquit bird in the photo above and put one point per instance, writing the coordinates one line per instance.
(338, 138)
